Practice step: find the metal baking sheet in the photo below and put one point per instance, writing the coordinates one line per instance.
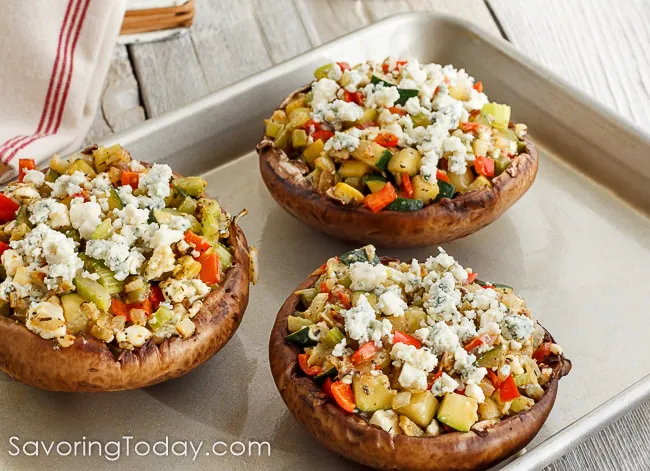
(577, 247)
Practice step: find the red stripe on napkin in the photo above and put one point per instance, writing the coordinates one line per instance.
(53, 110)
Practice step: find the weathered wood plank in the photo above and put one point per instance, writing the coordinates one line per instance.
(601, 47)
(120, 106)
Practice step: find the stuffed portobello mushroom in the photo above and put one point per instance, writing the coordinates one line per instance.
(414, 365)
(115, 274)
(396, 153)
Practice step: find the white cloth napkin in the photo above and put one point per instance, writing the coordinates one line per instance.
(54, 56)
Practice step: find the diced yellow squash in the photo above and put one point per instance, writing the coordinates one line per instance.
(405, 161)
(421, 409)
(458, 412)
(354, 168)
(372, 393)
(313, 151)
(298, 138)
(424, 190)
(298, 102)
(273, 128)
(479, 182)
(461, 182)
(348, 193)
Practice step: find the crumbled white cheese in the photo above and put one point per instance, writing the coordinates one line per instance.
(117, 256)
(177, 291)
(444, 385)
(323, 91)
(344, 140)
(517, 327)
(85, 216)
(46, 320)
(475, 391)
(420, 358)
(133, 336)
(68, 185)
(339, 348)
(49, 210)
(35, 177)
(385, 96)
(412, 378)
(391, 304)
(362, 325)
(387, 420)
(156, 183)
(366, 276)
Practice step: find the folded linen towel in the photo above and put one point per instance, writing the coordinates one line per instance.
(54, 56)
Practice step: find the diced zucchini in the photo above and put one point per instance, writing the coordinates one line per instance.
(478, 183)
(461, 182)
(374, 182)
(296, 323)
(328, 372)
(357, 255)
(307, 296)
(385, 81)
(355, 182)
(401, 399)
(94, 292)
(301, 338)
(75, 318)
(492, 358)
(313, 151)
(458, 412)
(83, 167)
(499, 113)
(22, 216)
(103, 231)
(160, 317)
(325, 163)
(372, 393)
(354, 168)
(488, 409)
(406, 160)
(317, 306)
(347, 193)
(51, 176)
(333, 337)
(447, 190)
(323, 71)
(421, 409)
(424, 190)
(298, 138)
(521, 403)
(282, 138)
(375, 155)
(370, 115)
(405, 94)
(405, 205)
(193, 186)
(420, 119)
(272, 128)
(114, 201)
(501, 164)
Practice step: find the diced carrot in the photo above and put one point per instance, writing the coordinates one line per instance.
(344, 66)
(303, 361)
(399, 111)
(478, 86)
(471, 277)
(130, 178)
(25, 165)
(343, 395)
(477, 342)
(470, 127)
(440, 175)
(146, 306)
(364, 353)
(378, 201)
(356, 97)
(199, 243)
(120, 308)
(322, 135)
(386, 139)
(484, 166)
(209, 268)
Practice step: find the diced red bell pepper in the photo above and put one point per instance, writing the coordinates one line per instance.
(407, 186)
(440, 175)
(130, 178)
(478, 341)
(8, 208)
(210, 268)
(322, 135)
(344, 66)
(435, 92)
(303, 361)
(369, 124)
(471, 277)
(478, 86)
(356, 97)
(324, 288)
(386, 139)
(199, 243)
(399, 111)
(542, 352)
(494, 379)
(398, 65)
(156, 296)
(81, 194)
(327, 387)
(343, 395)
(317, 126)
(345, 300)
(508, 390)
(364, 353)
(25, 165)
(432, 379)
(378, 201)
(401, 337)
(484, 166)
(3, 246)
(146, 306)
(470, 127)
(460, 391)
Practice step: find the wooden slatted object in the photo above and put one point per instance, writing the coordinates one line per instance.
(155, 19)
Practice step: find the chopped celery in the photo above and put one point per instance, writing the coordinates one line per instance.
(165, 216)
(22, 217)
(114, 201)
(500, 113)
(51, 176)
(193, 186)
(104, 230)
(188, 205)
(225, 257)
(333, 337)
(159, 317)
(106, 276)
(94, 292)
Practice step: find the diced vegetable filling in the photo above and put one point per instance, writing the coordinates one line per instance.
(428, 130)
(420, 348)
(102, 247)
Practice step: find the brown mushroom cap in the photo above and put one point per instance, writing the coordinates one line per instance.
(447, 220)
(353, 438)
(89, 365)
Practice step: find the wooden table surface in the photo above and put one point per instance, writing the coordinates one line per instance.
(602, 46)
